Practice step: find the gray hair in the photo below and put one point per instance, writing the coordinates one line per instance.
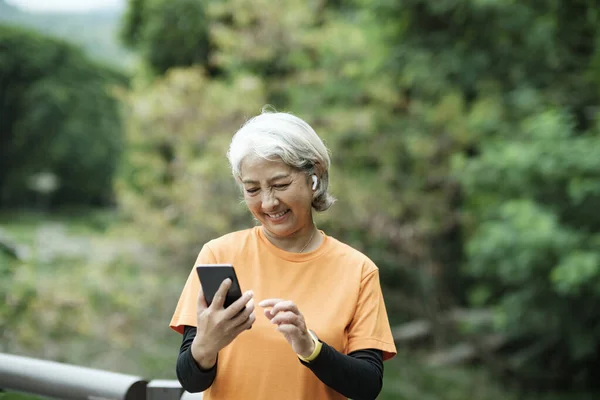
(272, 135)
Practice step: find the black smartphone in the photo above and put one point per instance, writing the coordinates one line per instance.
(212, 275)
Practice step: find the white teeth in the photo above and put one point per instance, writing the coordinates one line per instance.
(277, 215)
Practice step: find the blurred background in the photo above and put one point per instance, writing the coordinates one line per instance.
(465, 147)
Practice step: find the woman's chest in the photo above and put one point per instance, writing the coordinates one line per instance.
(325, 308)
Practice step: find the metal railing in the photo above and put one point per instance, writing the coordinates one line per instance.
(63, 381)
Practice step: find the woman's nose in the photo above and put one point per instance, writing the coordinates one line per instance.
(269, 200)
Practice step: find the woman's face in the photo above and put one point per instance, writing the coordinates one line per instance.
(278, 196)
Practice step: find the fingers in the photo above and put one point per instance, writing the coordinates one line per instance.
(283, 312)
(201, 301)
(279, 305)
(246, 313)
(239, 305)
(221, 295)
(286, 317)
(245, 325)
(291, 330)
(285, 306)
(269, 302)
(246, 322)
(268, 314)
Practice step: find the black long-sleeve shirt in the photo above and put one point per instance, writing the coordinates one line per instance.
(358, 375)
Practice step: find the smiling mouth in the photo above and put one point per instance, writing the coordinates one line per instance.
(278, 215)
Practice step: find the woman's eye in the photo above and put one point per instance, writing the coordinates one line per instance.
(281, 186)
(252, 190)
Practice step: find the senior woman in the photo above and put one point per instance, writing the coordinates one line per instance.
(323, 331)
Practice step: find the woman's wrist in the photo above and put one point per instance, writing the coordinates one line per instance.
(315, 348)
(205, 359)
(310, 349)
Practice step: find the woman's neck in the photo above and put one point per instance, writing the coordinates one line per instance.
(302, 241)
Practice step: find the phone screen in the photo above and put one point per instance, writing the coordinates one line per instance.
(212, 275)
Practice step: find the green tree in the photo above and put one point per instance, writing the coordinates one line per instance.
(513, 85)
(168, 33)
(133, 20)
(534, 246)
(58, 119)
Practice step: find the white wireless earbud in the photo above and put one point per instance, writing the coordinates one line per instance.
(315, 181)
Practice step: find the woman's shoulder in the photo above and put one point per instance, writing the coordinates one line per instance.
(350, 254)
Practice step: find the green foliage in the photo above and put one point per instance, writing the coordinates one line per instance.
(176, 177)
(534, 244)
(167, 33)
(87, 295)
(132, 22)
(406, 378)
(61, 129)
(507, 88)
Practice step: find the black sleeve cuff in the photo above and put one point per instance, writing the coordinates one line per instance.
(191, 377)
(358, 375)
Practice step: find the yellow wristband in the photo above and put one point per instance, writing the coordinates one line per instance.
(316, 351)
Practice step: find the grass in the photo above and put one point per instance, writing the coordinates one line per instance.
(23, 224)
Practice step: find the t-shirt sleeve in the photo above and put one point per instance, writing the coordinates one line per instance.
(185, 311)
(370, 327)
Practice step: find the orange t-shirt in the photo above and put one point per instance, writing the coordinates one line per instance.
(335, 287)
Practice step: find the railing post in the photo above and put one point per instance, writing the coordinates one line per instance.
(67, 382)
(161, 389)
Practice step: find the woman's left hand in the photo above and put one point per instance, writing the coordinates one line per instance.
(290, 322)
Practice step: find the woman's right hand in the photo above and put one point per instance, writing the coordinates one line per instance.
(218, 326)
